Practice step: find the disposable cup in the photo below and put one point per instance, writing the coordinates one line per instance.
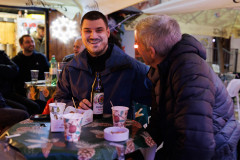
(47, 78)
(57, 107)
(119, 115)
(34, 75)
(72, 126)
(61, 65)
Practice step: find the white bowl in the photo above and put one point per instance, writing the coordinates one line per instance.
(116, 134)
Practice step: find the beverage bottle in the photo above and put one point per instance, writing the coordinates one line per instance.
(97, 97)
(53, 71)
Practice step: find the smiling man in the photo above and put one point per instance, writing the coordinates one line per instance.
(123, 77)
(29, 59)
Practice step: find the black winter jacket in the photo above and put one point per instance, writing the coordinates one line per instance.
(194, 116)
(8, 72)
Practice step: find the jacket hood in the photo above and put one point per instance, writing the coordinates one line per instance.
(188, 44)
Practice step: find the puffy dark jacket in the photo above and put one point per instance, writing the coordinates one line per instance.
(123, 80)
(8, 72)
(194, 117)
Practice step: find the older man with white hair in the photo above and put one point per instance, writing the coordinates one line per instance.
(78, 47)
(193, 115)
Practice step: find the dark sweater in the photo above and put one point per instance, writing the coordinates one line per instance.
(36, 61)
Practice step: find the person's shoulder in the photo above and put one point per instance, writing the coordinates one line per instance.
(128, 57)
(67, 58)
(39, 54)
(135, 64)
(2, 53)
(34, 35)
(17, 57)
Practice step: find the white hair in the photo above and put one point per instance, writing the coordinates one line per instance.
(160, 32)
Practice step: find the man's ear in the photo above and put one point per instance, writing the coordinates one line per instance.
(152, 52)
(108, 32)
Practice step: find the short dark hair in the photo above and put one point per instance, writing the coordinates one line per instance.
(21, 38)
(94, 15)
(41, 26)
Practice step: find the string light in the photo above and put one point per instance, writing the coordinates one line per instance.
(135, 46)
(64, 29)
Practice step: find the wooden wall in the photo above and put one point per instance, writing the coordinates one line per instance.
(56, 47)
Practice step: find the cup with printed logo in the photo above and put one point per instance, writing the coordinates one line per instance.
(119, 115)
(57, 107)
(72, 126)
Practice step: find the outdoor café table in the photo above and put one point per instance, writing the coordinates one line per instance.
(36, 141)
(39, 90)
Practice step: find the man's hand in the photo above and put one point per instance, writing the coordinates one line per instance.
(85, 104)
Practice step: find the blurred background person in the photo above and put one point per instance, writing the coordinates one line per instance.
(28, 59)
(39, 38)
(78, 47)
(9, 71)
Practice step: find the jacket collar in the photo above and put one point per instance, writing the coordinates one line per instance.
(117, 61)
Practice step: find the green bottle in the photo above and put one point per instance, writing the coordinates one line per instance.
(53, 71)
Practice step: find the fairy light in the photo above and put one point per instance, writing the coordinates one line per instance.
(135, 46)
(64, 29)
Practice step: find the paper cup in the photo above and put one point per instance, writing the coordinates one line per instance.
(57, 107)
(47, 78)
(119, 115)
(72, 126)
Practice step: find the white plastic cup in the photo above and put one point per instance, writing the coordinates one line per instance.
(72, 126)
(61, 65)
(119, 115)
(47, 78)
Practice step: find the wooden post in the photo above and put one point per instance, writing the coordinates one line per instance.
(220, 55)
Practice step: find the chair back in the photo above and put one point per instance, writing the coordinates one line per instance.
(233, 87)
(233, 90)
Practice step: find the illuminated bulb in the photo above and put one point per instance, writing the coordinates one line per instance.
(135, 46)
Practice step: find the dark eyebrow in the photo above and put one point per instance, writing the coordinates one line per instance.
(96, 28)
(100, 28)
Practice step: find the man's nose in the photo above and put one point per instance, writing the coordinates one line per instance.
(93, 34)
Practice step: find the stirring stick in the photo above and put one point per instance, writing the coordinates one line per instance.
(74, 104)
(14, 135)
(111, 103)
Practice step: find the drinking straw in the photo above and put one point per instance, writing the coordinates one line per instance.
(74, 104)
